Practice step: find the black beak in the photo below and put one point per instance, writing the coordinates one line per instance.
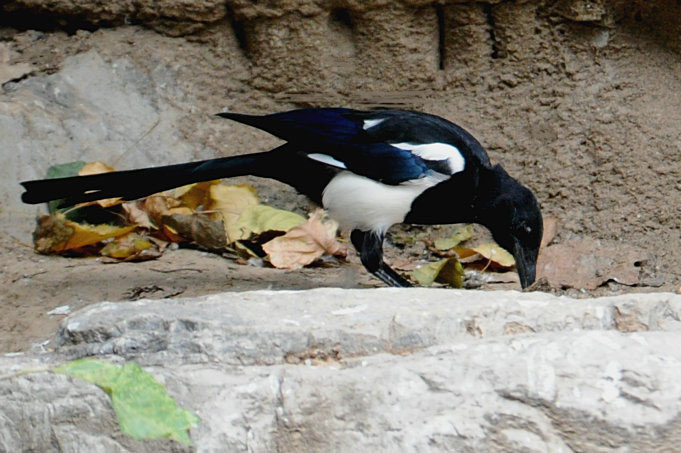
(526, 263)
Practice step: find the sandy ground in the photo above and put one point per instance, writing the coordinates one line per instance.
(36, 284)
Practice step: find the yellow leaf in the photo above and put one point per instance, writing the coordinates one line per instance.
(447, 271)
(95, 168)
(131, 247)
(261, 218)
(490, 251)
(461, 233)
(56, 234)
(231, 202)
(305, 243)
(195, 196)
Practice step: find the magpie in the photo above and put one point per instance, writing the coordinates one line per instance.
(369, 169)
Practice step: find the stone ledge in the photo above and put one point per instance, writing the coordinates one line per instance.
(502, 371)
(273, 327)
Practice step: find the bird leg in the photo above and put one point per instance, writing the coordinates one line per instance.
(370, 248)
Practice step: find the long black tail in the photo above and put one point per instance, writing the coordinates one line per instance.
(133, 184)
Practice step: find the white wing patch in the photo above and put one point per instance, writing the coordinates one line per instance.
(437, 151)
(326, 159)
(368, 124)
(358, 202)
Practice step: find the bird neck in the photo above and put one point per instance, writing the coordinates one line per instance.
(494, 183)
(451, 201)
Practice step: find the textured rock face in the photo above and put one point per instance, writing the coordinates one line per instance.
(378, 370)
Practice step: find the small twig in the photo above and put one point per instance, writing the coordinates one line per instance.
(28, 276)
(23, 372)
(168, 271)
(489, 261)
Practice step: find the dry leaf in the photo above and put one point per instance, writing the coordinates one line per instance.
(171, 234)
(550, 231)
(135, 214)
(55, 234)
(195, 196)
(131, 247)
(262, 218)
(200, 229)
(447, 271)
(303, 244)
(157, 206)
(231, 202)
(497, 256)
(587, 263)
(95, 168)
(461, 233)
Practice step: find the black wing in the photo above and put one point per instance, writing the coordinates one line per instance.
(382, 145)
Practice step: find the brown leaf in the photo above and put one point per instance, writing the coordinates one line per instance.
(550, 231)
(199, 229)
(56, 234)
(157, 206)
(489, 251)
(303, 244)
(134, 214)
(131, 247)
(587, 263)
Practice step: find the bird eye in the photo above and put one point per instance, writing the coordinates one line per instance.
(527, 229)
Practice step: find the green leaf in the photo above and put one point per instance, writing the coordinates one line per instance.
(62, 171)
(65, 170)
(261, 218)
(461, 233)
(447, 271)
(101, 373)
(143, 407)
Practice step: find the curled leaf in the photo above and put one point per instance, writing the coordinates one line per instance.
(56, 234)
(131, 247)
(490, 251)
(200, 229)
(447, 271)
(305, 243)
(135, 214)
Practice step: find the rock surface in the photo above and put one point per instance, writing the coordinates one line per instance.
(371, 370)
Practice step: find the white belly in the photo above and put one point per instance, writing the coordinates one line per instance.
(356, 202)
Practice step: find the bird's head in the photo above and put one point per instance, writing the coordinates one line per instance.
(512, 214)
